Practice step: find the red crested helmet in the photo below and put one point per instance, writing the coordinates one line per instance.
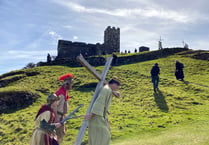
(67, 76)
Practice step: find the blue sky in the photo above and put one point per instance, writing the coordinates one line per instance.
(30, 29)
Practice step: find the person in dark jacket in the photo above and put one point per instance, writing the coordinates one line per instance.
(179, 73)
(155, 71)
(114, 60)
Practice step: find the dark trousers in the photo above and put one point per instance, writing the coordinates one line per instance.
(179, 74)
(155, 81)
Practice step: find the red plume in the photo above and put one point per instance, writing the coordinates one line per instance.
(66, 76)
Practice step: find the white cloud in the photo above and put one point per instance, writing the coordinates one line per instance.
(199, 44)
(147, 12)
(45, 39)
(144, 38)
(75, 37)
(54, 35)
(19, 58)
(141, 22)
(68, 27)
(33, 55)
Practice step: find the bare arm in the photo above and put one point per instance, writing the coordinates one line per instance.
(117, 94)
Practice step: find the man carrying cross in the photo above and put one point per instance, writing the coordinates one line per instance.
(96, 116)
(99, 131)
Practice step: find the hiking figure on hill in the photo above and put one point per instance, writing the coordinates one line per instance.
(179, 73)
(155, 71)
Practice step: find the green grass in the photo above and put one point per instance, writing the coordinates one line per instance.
(194, 133)
(195, 70)
(178, 114)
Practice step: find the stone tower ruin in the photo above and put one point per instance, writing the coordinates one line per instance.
(112, 39)
(69, 49)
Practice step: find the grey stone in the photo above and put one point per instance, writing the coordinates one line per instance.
(69, 49)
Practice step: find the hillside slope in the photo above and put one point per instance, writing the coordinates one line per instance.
(145, 114)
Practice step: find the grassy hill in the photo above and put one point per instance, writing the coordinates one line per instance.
(176, 115)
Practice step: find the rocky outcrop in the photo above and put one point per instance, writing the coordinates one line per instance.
(196, 54)
(202, 56)
(5, 82)
(14, 76)
(11, 74)
(15, 100)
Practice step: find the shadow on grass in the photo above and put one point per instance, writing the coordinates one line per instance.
(12, 101)
(160, 101)
(85, 87)
(185, 82)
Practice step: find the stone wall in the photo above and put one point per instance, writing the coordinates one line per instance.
(13, 101)
(98, 61)
(149, 56)
(69, 49)
(72, 62)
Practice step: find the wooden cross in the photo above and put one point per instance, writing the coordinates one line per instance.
(82, 60)
(99, 86)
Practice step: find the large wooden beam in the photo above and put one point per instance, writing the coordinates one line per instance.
(84, 63)
(82, 60)
(96, 93)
